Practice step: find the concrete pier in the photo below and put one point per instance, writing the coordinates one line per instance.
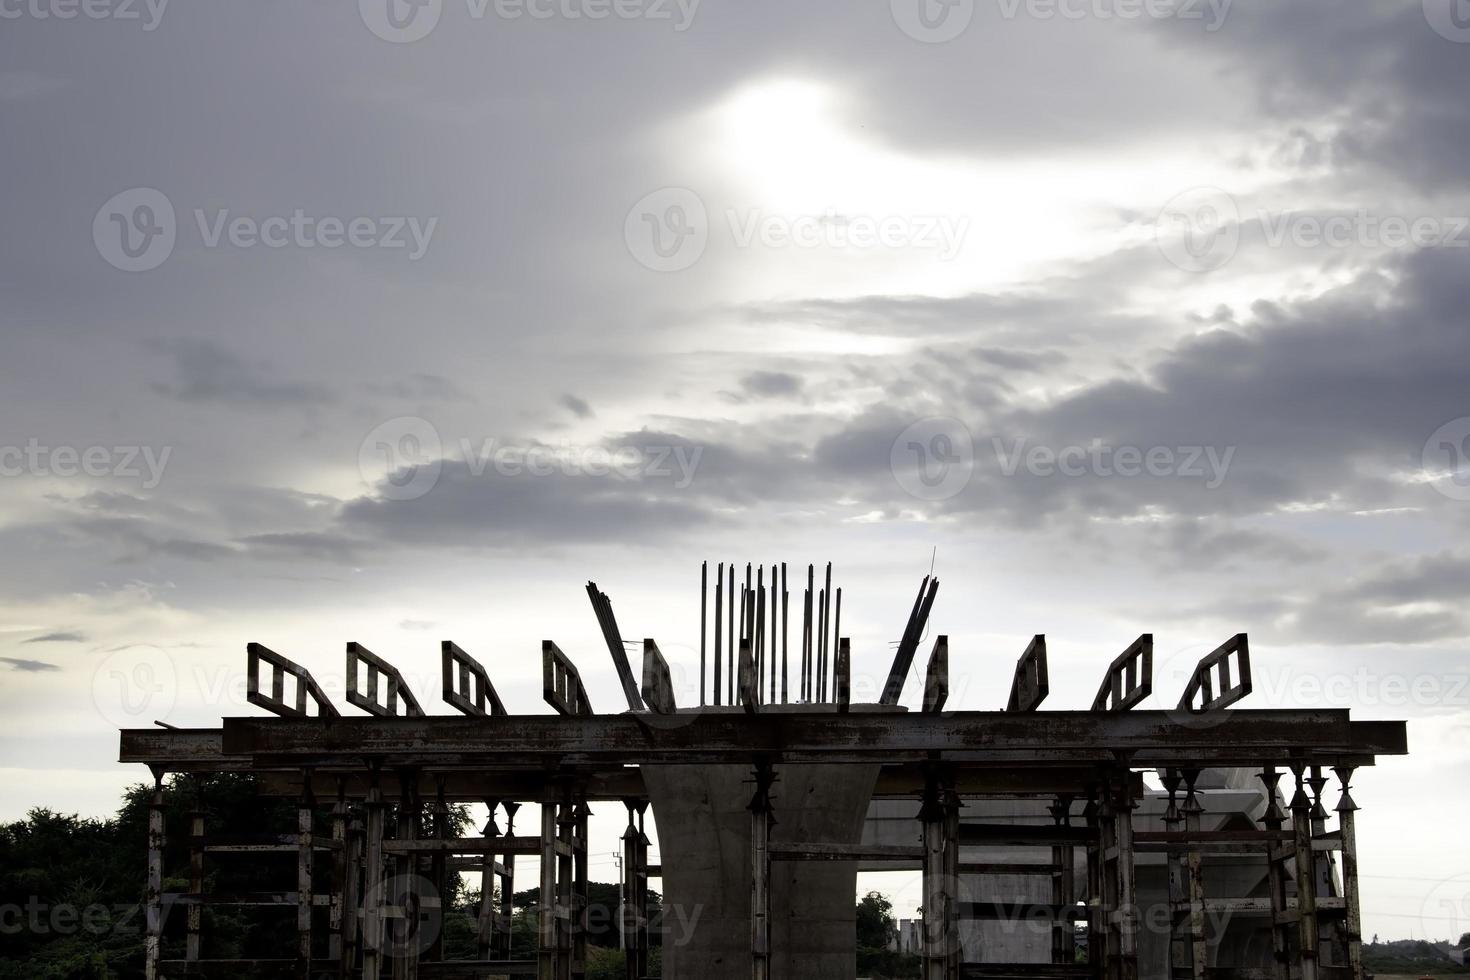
(704, 831)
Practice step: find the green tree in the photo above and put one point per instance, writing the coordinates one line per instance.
(876, 927)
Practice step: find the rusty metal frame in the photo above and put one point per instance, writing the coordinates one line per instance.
(467, 686)
(562, 684)
(1031, 683)
(1130, 677)
(1214, 669)
(368, 700)
(275, 702)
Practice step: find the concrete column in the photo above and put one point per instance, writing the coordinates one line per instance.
(704, 831)
(1347, 826)
(153, 899)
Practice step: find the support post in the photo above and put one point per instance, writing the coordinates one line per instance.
(1063, 889)
(340, 894)
(1273, 820)
(939, 815)
(1180, 946)
(1095, 941)
(153, 899)
(634, 920)
(405, 895)
(546, 931)
(1306, 881)
(487, 926)
(579, 887)
(1195, 880)
(196, 873)
(439, 872)
(1127, 881)
(372, 884)
(1347, 826)
(305, 875)
(760, 891)
(503, 937)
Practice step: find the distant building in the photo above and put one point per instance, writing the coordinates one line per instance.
(910, 935)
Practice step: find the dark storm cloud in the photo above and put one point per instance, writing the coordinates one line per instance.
(1378, 71)
(206, 371)
(771, 384)
(29, 666)
(576, 406)
(61, 636)
(1408, 602)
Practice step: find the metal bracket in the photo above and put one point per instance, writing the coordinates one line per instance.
(1130, 677)
(1214, 673)
(562, 684)
(275, 702)
(936, 678)
(658, 686)
(1030, 686)
(467, 686)
(368, 700)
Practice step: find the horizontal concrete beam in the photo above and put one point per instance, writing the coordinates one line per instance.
(1145, 738)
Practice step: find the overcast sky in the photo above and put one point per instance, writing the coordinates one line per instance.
(329, 321)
